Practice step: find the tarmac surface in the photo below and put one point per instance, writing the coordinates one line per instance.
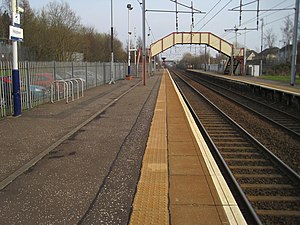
(90, 174)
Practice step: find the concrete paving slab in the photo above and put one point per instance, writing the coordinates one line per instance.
(189, 190)
(185, 165)
(196, 215)
(181, 148)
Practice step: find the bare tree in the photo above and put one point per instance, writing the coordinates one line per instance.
(269, 38)
(139, 42)
(287, 30)
(55, 33)
(62, 24)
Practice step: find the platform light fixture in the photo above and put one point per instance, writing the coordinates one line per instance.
(112, 71)
(129, 7)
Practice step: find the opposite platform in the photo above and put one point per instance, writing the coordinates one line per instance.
(264, 83)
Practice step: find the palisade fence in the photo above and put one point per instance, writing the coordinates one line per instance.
(36, 79)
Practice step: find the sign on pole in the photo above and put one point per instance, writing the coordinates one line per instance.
(15, 33)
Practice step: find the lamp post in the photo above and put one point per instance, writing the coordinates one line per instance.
(135, 49)
(144, 40)
(129, 7)
(112, 79)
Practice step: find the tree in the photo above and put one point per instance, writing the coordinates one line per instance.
(4, 24)
(139, 42)
(269, 38)
(62, 25)
(55, 33)
(287, 30)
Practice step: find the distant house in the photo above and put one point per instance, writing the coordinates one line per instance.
(285, 54)
(269, 54)
(251, 55)
(75, 56)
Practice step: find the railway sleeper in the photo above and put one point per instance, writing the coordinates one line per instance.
(278, 212)
(267, 186)
(263, 198)
(233, 144)
(233, 156)
(248, 163)
(272, 192)
(238, 149)
(228, 139)
(249, 175)
(262, 180)
(245, 160)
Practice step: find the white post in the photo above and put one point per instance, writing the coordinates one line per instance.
(261, 46)
(135, 49)
(15, 69)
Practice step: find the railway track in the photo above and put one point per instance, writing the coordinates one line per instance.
(286, 121)
(267, 187)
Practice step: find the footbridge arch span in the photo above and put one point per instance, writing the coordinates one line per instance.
(207, 38)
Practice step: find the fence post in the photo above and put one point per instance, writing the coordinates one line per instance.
(72, 71)
(29, 100)
(96, 73)
(54, 70)
(115, 68)
(86, 76)
(104, 73)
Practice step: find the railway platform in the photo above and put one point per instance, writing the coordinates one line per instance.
(179, 167)
(125, 153)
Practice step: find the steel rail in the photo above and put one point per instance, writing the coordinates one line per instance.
(291, 117)
(220, 161)
(292, 175)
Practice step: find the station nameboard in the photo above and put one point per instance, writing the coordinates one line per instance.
(15, 33)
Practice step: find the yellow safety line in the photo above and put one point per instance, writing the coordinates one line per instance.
(150, 204)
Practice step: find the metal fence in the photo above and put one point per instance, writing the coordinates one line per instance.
(36, 79)
(212, 67)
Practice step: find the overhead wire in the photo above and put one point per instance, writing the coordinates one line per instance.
(266, 24)
(226, 34)
(248, 21)
(148, 25)
(212, 16)
(216, 14)
(254, 18)
(209, 12)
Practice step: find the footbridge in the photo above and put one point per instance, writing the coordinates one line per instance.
(207, 38)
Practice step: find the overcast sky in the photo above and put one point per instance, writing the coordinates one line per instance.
(96, 13)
